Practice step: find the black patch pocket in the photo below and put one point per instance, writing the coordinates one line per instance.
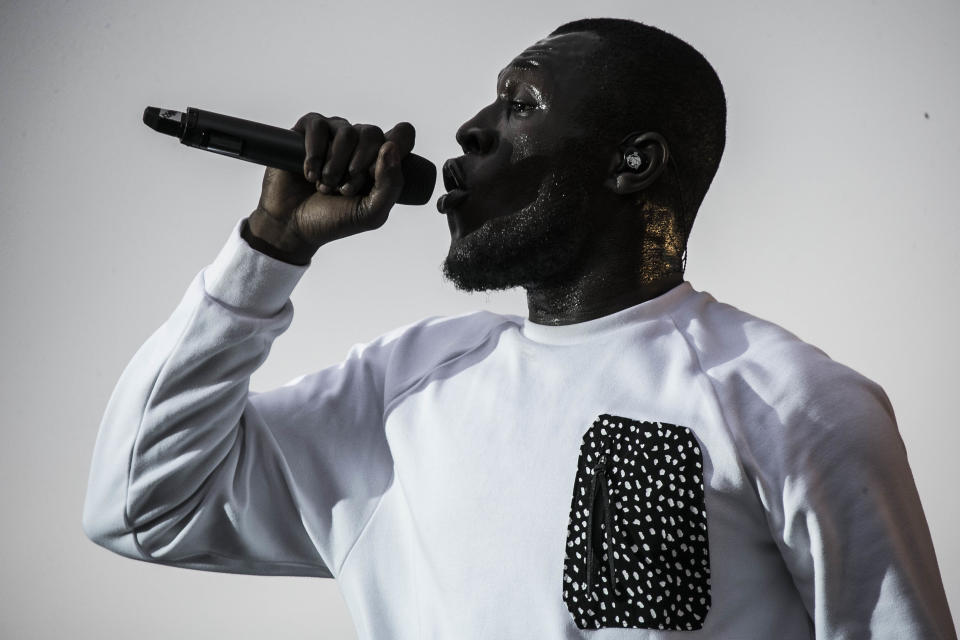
(637, 553)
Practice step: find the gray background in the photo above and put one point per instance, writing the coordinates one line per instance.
(833, 214)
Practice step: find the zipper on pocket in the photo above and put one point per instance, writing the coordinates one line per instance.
(599, 501)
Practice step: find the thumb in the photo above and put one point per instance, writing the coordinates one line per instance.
(387, 185)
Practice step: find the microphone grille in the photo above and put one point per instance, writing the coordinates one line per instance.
(419, 179)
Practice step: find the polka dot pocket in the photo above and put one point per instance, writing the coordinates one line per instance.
(637, 553)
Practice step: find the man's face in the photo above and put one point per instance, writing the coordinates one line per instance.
(530, 170)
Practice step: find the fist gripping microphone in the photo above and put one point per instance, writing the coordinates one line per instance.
(270, 146)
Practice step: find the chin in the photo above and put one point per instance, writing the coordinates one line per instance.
(536, 244)
(459, 229)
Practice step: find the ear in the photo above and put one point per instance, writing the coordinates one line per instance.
(640, 159)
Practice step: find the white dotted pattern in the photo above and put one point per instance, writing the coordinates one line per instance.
(653, 475)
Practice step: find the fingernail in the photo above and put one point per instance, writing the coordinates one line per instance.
(311, 176)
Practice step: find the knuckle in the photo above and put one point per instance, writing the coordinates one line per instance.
(308, 119)
(403, 134)
(366, 218)
(348, 133)
(316, 129)
(370, 132)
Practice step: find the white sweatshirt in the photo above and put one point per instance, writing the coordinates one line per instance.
(464, 477)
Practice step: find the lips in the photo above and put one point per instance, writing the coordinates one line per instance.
(455, 184)
(453, 175)
(451, 199)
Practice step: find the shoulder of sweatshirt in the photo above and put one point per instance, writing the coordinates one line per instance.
(413, 350)
(769, 380)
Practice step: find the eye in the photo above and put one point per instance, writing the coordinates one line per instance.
(520, 107)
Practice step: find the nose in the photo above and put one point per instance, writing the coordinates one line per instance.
(474, 136)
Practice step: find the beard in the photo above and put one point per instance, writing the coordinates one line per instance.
(537, 245)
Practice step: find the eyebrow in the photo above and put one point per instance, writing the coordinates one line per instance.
(522, 65)
(525, 64)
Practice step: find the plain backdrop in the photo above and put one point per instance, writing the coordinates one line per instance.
(833, 214)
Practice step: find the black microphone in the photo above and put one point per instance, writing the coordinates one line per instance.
(271, 146)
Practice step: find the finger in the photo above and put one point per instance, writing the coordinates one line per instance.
(404, 136)
(316, 134)
(370, 139)
(374, 208)
(341, 150)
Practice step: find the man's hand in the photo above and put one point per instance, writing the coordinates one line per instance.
(297, 214)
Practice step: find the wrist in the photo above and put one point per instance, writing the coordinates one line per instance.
(275, 239)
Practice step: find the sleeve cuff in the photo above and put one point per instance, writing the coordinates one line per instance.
(242, 277)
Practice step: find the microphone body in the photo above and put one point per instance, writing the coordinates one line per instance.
(270, 146)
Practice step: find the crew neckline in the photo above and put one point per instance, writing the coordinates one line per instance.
(580, 331)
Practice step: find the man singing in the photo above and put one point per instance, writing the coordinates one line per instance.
(630, 459)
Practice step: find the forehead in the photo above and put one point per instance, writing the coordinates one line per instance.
(554, 54)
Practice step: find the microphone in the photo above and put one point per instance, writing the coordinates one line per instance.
(271, 146)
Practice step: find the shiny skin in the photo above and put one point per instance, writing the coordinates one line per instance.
(537, 132)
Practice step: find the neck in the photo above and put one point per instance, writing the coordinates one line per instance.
(609, 279)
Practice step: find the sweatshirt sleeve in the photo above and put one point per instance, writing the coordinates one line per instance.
(845, 512)
(191, 469)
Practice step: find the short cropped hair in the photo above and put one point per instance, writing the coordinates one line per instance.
(652, 80)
